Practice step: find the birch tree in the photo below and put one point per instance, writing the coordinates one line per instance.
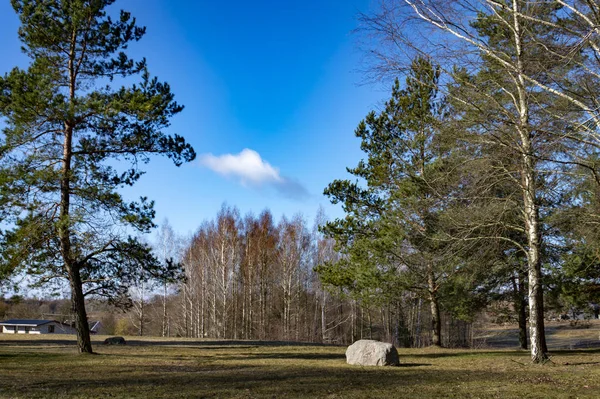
(292, 249)
(168, 250)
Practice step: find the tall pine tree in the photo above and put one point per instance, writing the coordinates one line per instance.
(391, 234)
(71, 140)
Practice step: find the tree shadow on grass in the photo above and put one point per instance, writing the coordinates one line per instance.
(250, 356)
(224, 343)
(576, 351)
(579, 363)
(38, 342)
(467, 353)
(166, 342)
(264, 381)
(286, 355)
(413, 364)
(209, 347)
(303, 356)
(26, 356)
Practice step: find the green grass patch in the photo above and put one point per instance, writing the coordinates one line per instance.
(39, 367)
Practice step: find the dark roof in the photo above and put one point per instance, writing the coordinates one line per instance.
(23, 322)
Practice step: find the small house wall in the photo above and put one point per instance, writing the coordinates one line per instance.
(21, 330)
(8, 330)
(43, 329)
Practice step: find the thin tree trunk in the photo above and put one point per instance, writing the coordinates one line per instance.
(142, 312)
(236, 306)
(297, 315)
(185, 311)
(419, 341)
(519, 303)
(522, 325)
(244, 311)
(362, 320)
(324, 317)
(353, 321)
(213, 328)
(203, 298)
(223, 290)
(251, 304)
(436, 323)
(199, 323)
(370, 323)
(164, 316)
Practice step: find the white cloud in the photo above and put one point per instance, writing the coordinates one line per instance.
(252, 170)
(248, 166)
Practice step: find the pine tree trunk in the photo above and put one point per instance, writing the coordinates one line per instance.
(522, 325)
(84, 343)
(520, 307)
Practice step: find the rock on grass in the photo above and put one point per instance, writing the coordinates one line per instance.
(366, 352)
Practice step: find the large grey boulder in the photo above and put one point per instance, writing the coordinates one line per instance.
(367, 352)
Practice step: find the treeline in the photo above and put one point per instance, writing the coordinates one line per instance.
(250, 277)
(254, 278)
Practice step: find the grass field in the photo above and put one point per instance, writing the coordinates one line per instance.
(559, 335)
(42, 367)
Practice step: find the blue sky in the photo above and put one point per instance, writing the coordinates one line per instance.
(272, 99)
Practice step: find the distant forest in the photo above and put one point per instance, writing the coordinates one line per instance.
(254, 278)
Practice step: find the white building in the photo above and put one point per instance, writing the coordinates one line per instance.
(16, 326)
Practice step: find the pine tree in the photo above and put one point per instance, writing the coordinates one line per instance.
(390, 236)
(67, 133)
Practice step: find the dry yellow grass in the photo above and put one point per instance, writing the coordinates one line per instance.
(39, 367)
(560, 335)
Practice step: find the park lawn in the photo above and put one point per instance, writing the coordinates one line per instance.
(42, 367)
(559, 335)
